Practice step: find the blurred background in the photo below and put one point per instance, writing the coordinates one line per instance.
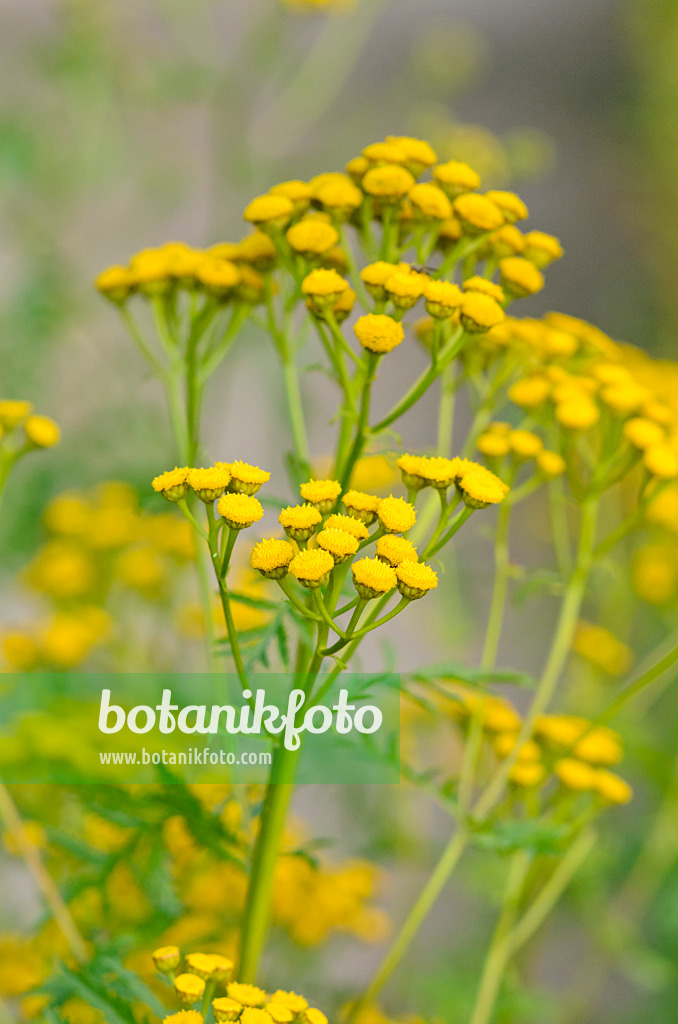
(126, 123)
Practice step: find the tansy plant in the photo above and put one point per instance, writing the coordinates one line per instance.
(348, 263)
(22, 431)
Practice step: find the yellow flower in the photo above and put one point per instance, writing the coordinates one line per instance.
(449, 233)
(419, 154)
(297, 1004)
(257, 249)
(576, 775)
(612, 787)
(272, 557)
(561, 730)
(239, 510)
(662, 461)
(173, 485)
(219, 276)
(183, 1017)
(388, 182)
(209, 966)
(299, 521)
(312, 567)
(115, 283)
(375, 275)
(577, 413)
(356, 167)
(141, 568)
(189, 988)
(477, 213)
(42, 431)
(384, 153)
(625, 397)
(510, 205)
(455, 177)
(312, 237)
(663, 508)
(13, 412)
(313, 1016)
(527, 774)
(479, 313)
(323, 287)
(429, 201)
(338, 543)
(507, 241)
(550, 464)
(373, 578)
(339, 198)
(520, 277)
(378, 333)
(440, 472)
(599, 746)
(655, 574)
(246, 995)
(20, 652)
(405, 288)
(599, 646)
(321, 493)
(505, 743)
(208, 484)
(480, 487)
(541, 248)
(245, 479)
(412, 470)
(443, 298)
(415, 579)
(493, 444)
(530, 392)
(348, 524)
(361, 506)
(642, 433)
(271, 210)
(485, 287)
(525, 444)
(254, 1015)
(393, 550)
(396, 515)
(226, 1009)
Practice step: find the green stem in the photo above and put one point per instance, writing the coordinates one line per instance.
(499, 951)
(296, 411)
(500, 588)
(413, 921)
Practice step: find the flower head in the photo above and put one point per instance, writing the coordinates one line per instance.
(297, 1004)
(479, 313)
(321, 493)
(541, 248)
(388, 182)
(115, 283)
(378, 333)
(13, 412)
(361, 506)
(443, 299)
(239, 510)
(312, 237)
(348, 524)
(300, 521)
(246, 995)
(477, 213)
(480, 487)
(340, 198)
(510, 205)
(455, 177)
(189, 988)
(525, 444)
(405, 288)
(375, 275)
(246, 479)
(429, 202)
(209, 966)
(269, 210)
(393, 550)
(412, 470)
(226, 1008)
(373, 578)
(173, 485)
(208, 484)
(578, 412)
(520, 277)
(485, 287)
(550, 464)
(396, 515)
(338, 543)
(167, 959)
(323, 287)
(415, 579)
(576, 775)
(42, 431)
(662, 461)
(312, 567)
(218, 276)
(612, 788)
(184, 1017)
(419, 154)
(272, 557)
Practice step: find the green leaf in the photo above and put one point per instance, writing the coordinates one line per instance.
(521, 834)
(473, 676)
